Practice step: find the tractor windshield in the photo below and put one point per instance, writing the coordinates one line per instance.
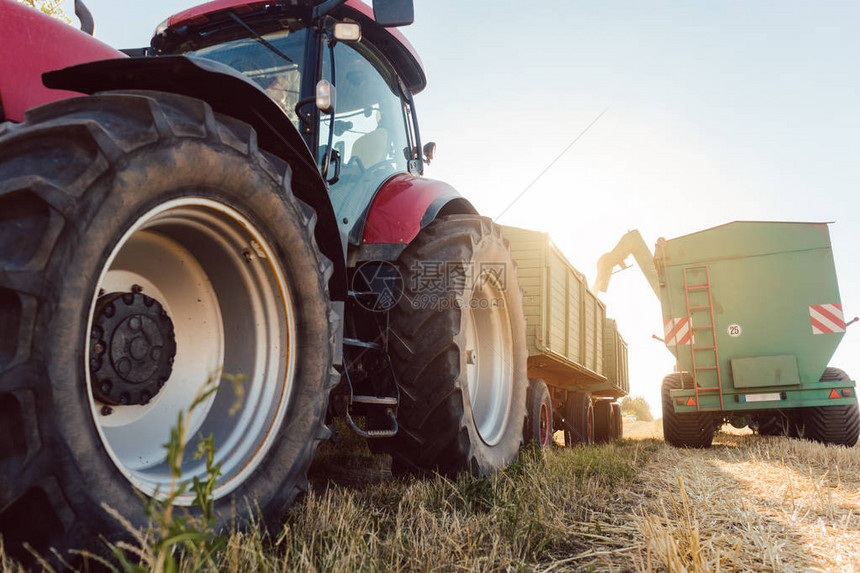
(278, 70)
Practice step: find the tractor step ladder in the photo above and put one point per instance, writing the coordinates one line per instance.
(386, 404)
(707, 348)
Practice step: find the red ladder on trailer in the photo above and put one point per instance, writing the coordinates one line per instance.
(700, 309)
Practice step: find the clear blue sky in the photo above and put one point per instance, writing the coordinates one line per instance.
(717, 111)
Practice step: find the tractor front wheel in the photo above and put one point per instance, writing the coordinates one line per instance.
(458, 350)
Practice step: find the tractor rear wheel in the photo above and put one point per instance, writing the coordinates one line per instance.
(838, 425)
(146, 247)
(693, 430)
(604, 423)
(578, 419)
(538, 427)
(458, 349)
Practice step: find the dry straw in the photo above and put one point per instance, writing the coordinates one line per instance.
(750, 503)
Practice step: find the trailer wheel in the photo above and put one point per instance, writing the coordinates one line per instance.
(147, 245)
(604, 423)
(695, 430)
(538, 428)
(458, 347)
(578, 419)
(838, 425)
(773, 424)
(618, 421)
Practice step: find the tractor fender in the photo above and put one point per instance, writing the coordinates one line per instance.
(403, 206)
(230, 93)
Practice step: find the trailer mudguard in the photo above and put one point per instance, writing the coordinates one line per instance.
(403, 206)
(232, 94)
(32, 43)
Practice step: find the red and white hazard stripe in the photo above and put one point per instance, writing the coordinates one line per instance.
(827, 318)
(677, 331)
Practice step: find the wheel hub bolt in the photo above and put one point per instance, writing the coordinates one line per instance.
(471, 357)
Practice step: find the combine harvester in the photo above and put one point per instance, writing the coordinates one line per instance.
(752, 314)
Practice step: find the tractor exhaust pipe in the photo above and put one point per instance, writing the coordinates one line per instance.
(83, 13)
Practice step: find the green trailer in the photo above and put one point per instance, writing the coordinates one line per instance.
(752, 314)
(575, 351)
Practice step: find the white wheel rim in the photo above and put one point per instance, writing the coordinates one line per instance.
(221, 284)
(489, 358)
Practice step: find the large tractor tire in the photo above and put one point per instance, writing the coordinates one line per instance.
(458, 350)
(838, 425)
(146, 246)
(578, 419)
(538, 428)
(604, 422)
(618, 421)
(694, 430)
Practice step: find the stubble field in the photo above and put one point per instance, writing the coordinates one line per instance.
(749, 503)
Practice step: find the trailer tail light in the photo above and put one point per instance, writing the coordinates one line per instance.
(846, 393)
(834, 394)
(680, 401)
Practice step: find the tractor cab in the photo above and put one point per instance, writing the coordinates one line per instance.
(343, 79)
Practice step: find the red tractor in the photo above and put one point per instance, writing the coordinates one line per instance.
(243, 197)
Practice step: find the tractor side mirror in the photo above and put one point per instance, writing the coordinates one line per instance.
(429, 152)
(393, 13)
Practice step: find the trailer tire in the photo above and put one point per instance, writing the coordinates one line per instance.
(458, 349)
(773, 424)
(604, 422)
(100, 191)
(837, 425)
(538, 428)
(578, 419)
(617, 422)
(694, 430)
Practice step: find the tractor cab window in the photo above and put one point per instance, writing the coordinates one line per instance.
(370, 127)
(278, 74)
